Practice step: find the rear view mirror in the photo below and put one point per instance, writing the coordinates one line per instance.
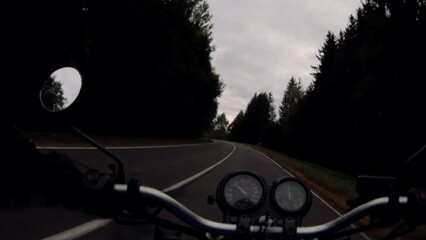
(60, 89)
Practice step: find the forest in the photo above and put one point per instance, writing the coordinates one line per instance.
(146, 65)
(365, 111)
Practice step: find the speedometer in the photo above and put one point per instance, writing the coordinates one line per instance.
(291, 196)
(241, 191)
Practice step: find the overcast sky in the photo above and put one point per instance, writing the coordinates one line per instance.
(261, 44)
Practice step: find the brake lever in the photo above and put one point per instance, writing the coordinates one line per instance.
(99, 194)
(97, 181)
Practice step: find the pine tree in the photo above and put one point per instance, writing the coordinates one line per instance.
(293, 94)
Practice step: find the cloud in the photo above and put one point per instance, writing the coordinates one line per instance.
(261, 44)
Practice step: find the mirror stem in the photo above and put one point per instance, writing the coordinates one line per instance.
(120, 168)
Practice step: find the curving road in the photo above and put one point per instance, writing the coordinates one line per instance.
(160, 167)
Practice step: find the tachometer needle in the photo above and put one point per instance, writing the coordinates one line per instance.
(242, 190)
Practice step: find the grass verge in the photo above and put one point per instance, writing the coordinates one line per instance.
(334, 187)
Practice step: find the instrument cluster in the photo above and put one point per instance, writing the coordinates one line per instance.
(244, 192)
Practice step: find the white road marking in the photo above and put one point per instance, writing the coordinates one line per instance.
(132, 147)
(85, 228)
(80, 230)
(195, 176)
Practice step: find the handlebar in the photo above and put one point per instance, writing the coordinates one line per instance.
(226, 229)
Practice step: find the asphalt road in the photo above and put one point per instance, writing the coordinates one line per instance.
(160, 168)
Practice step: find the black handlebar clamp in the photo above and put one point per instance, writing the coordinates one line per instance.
(243, 227)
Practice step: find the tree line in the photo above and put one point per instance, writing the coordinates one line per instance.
(146, 65)
(365, 111)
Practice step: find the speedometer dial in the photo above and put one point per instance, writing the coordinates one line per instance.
(290, 195)
(242, 191)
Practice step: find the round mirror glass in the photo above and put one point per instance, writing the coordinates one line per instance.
(60, 89)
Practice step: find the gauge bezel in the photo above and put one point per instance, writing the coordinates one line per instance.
(223, 203)
(300, 212)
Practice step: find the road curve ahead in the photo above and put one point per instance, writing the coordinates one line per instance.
(162, 168)
(194, 195)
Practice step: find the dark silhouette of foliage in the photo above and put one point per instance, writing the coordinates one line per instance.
(36, 47)
(52, 95)
(258, 116)
(365, 111)
(237, 131)
(146, 64)
(220, 127)
(288, 112)
(251, 126)
(293, 94)
(150, 62)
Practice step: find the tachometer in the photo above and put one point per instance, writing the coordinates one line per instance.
(241, 191)
(291, 196)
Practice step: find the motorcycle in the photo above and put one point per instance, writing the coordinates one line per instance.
(251, 209)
